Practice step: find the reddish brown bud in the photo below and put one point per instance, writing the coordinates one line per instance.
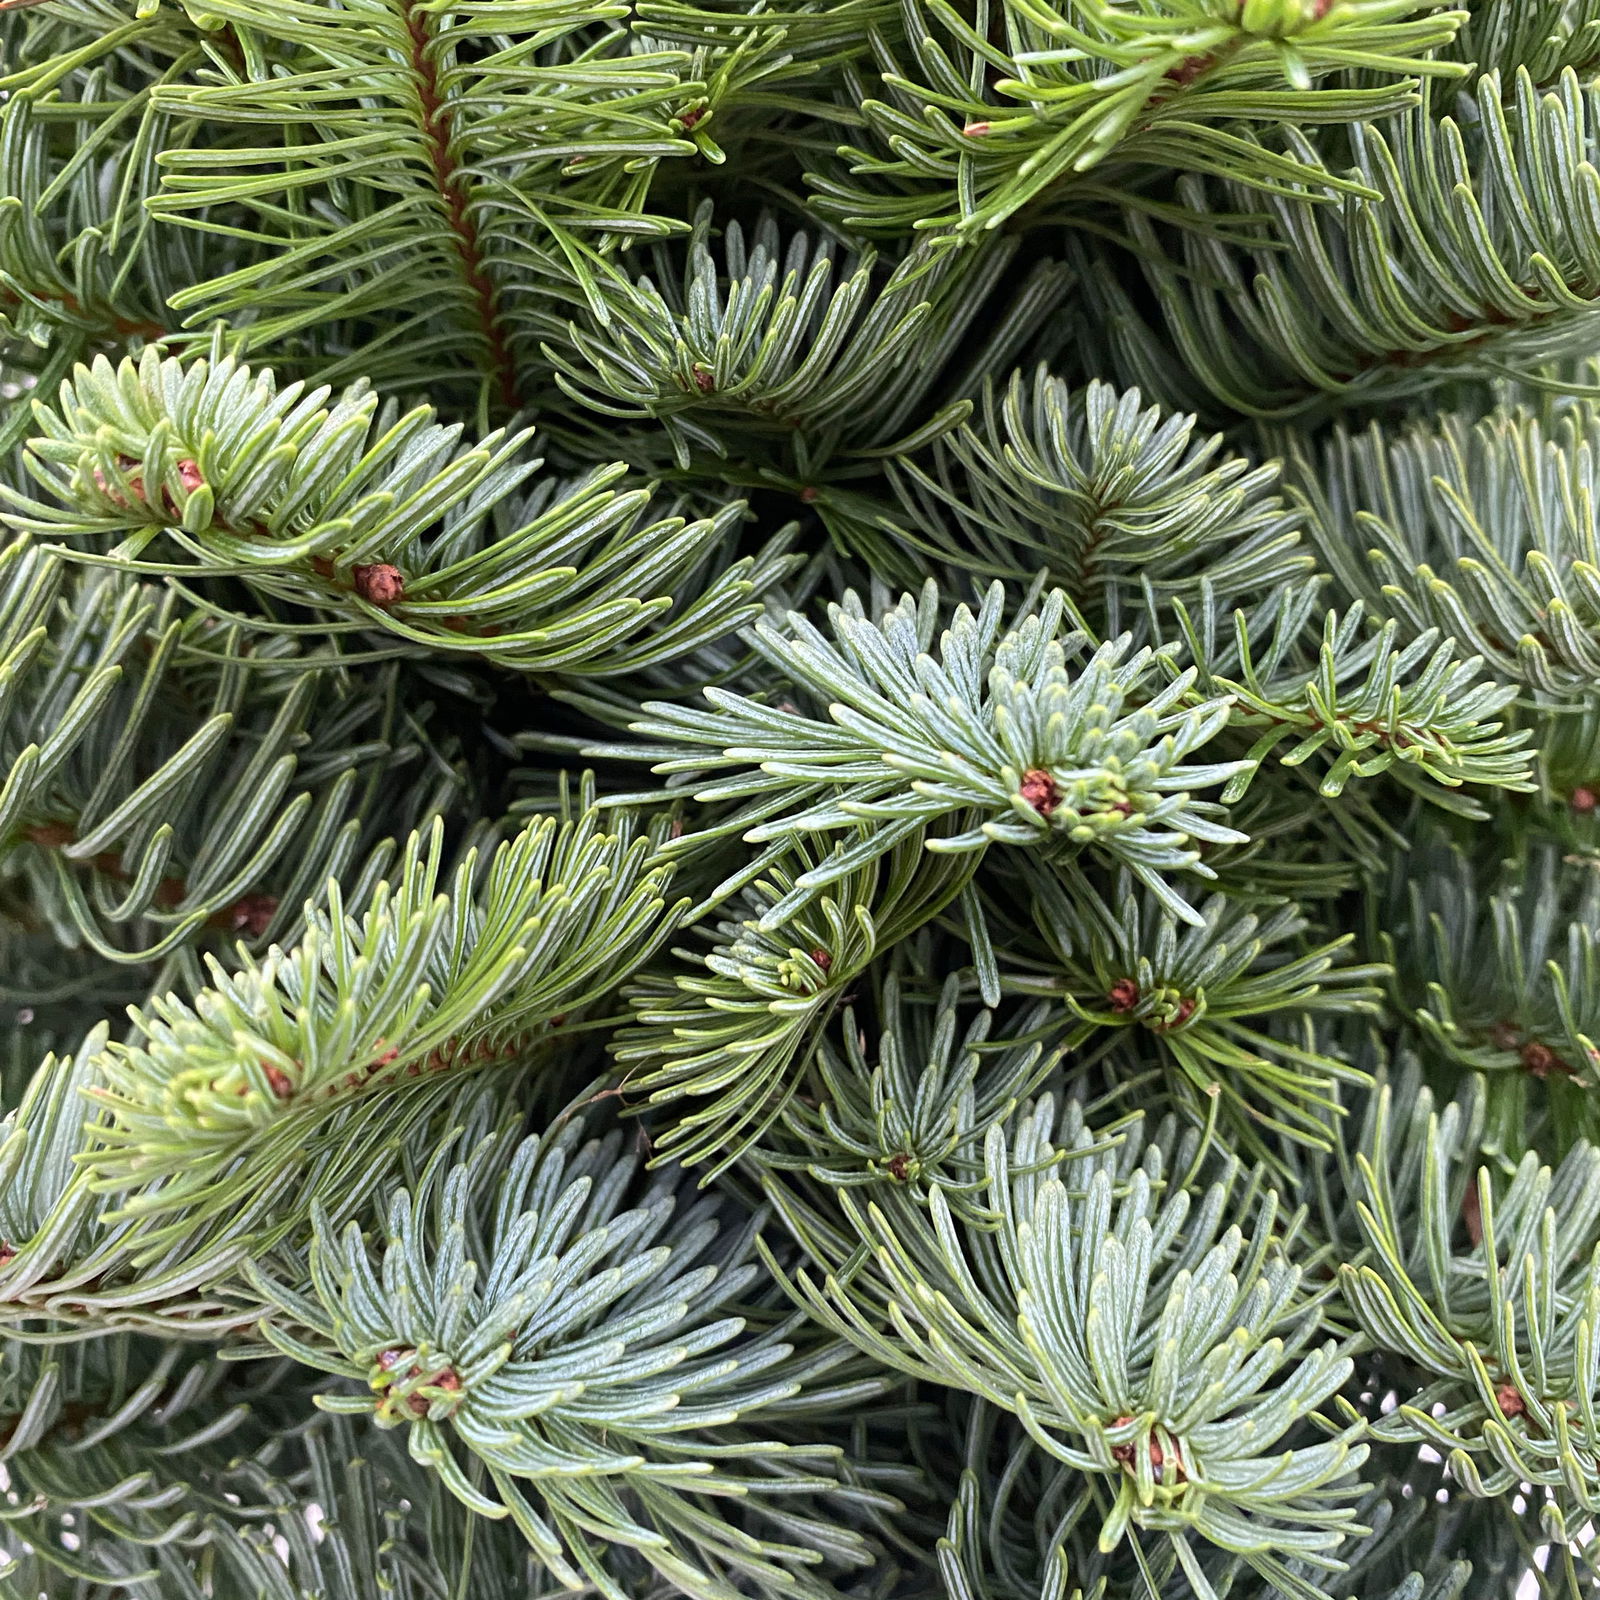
(189, 475)
(1187, 71)
(1584, 799)
(1184, 1011)
(1123, 995)
(1040, 791)
(418, 1403)
(703, 379)
(822, 958)
(1539, 1060)
(252, 915)
(899, 1166)
(111, 491)
(1125, 1454)
(692, 117)
(1509, 1398)
(278, 1080)
(7, 1253)
(809, 493)
(379, 584)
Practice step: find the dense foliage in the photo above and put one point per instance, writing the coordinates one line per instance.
(799, 798)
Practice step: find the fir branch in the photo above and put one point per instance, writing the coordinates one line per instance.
(908, 1105)
(266, 476)
(1226, 1003)
(1503, 977)
(1414, 712)
(1004, 108)
(179, 790)
(594, 1364)
(1503, 1321)
(1148, 1348)
(780, 339)
(347, 507)
(1479, 218)
(994, 733)
(1022, 1525)
(119, 1442)
(359, 1548)
(730, 1036)
(217, 1098)
(377, 170)
(1474, 526)
(1100, 493)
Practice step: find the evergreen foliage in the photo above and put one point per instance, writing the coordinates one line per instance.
(799, 799)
